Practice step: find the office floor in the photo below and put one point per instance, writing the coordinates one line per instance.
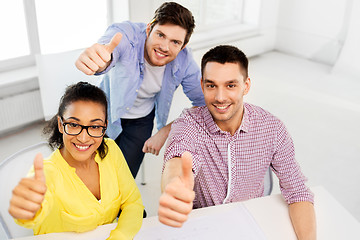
(321, 111)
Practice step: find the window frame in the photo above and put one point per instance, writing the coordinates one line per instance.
(29, 60)
(33, 41)
(207, 27)
(225, 31)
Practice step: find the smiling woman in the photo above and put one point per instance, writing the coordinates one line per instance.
(86, 166)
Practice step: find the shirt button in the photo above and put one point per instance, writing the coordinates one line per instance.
(127, 108)
(136, 90)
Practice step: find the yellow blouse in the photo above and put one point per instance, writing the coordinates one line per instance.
(70, 206)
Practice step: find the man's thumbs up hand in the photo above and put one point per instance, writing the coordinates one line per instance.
(29, 194)
(187, 174)
(116, 39)
(176, 202)
(97, 57)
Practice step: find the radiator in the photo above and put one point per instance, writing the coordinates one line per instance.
(19, 110)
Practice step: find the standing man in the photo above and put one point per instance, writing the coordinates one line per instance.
(219, 153)
(144, 65)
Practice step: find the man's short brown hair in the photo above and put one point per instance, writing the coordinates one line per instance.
(174, 13)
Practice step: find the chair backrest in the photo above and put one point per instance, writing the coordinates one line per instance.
(268, 182)
(56, 72)
(12, 170)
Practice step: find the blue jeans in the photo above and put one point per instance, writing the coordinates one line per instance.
(132, 138)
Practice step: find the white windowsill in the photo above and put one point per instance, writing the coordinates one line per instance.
(18, 81)
(222, 35)
(17, 76)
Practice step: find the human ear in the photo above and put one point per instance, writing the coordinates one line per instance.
(60, 127)
(148, 26)
(183, 47)
(202, 84)
(247, 86)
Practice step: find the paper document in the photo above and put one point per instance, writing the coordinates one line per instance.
(233, 222)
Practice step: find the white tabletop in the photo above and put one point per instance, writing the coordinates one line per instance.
(333, 221)
(270, 213)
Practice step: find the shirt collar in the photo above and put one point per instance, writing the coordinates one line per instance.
(61, 162)
(214, 128)
(175, 64)
(141, 53)
(209, 121)
(245, 123)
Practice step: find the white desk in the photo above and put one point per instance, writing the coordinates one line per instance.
(333, 221)
(270, 213)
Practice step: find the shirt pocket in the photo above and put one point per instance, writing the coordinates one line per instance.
(73, 223)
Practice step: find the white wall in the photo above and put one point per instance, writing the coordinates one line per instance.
(347, 63)
(312, 29)
(141, 11)
(119, 10)
(265, 40)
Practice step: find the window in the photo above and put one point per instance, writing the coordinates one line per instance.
(13, 28)
(40, 26)
(209, 14)
(218, 21)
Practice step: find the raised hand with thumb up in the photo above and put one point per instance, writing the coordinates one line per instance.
(176, 202)
(29, 193)
(187, 176)
(97, 57)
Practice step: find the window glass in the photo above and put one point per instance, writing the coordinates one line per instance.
(14, 39)
(213, 13)
(217, 12)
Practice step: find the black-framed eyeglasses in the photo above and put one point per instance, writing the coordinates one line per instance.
(74, 129)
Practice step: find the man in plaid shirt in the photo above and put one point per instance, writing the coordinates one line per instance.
(220, 153)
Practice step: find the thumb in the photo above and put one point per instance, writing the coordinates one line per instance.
(187, 174)
(114, 42)
(145, 147)
(39, 167)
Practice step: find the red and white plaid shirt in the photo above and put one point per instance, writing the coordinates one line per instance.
(262, 141)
